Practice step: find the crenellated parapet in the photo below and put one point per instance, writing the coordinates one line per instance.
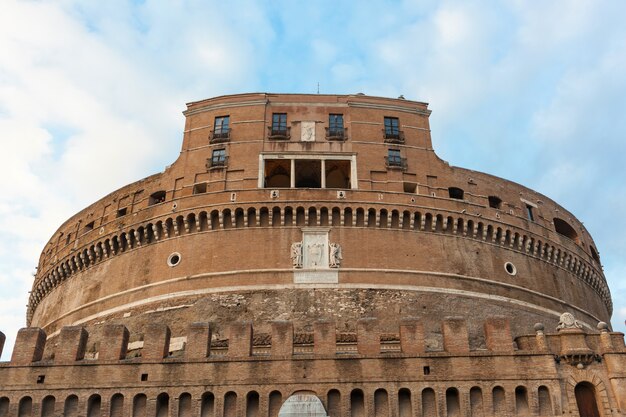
(537, 372)
(243, 343)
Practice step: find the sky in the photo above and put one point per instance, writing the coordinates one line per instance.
(91, 95)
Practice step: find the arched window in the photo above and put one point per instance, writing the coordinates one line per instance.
(563, 228)
(276, 400)
(521, 401)
(163, 405)
(117, 405)
(184, 405)
(139, 405)
(207, 407)
(586, 400)
(93, 406)
(405, 405)
(230, 404)
(70, 408)
(25, 408)
(476, 401)
(453, 403)
(357, 403)
(47, 406)
(545, 402)
(381, 403)
(252, 404)
(499, 405)
(4, 406)
(429, 405)
(334, 403)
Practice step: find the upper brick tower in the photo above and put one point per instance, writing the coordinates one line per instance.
(308, 207)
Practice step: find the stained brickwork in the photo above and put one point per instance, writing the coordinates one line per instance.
(345, 263)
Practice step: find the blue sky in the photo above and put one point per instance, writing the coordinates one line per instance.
(91, 95)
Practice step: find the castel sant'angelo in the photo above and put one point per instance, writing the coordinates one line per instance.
(310, 255)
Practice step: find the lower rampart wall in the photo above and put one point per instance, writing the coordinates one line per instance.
(366, 373)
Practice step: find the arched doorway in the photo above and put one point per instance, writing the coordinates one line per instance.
(302, 404)
(586, 400)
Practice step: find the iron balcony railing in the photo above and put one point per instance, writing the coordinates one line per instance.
(219, 135)
(278, 133)
(336, 133)
(395, 163)
(393, 136)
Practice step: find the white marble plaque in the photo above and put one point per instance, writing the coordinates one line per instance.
(307, 131)
(315, 249)
(302, 405)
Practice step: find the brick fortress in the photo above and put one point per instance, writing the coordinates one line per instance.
(310, 255)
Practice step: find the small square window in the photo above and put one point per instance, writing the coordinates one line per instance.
(122, 212)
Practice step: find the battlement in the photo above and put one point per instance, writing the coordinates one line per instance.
(243, 343)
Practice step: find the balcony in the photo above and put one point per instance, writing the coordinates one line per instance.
(278, 133)
(393, 136)
(336, 133)
(217, 163)
(395, 163)
(219, 135)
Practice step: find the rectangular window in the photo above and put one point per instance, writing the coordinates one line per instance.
(279, 123)
(221, 129)
(529, 212)
(394, 158)
(218, 158)
(392, 127)
(335, 125)
(222, 124)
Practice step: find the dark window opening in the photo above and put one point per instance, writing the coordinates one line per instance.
(156, 198)
(199, 188)
(144, 377)
(89, 226)
(394, 159)
(308, 173)
(41, 379)
(279, 129)
(427, 370)
(221, 129)
(69, 239)
(335, 128)
(122, 212)
(392, 132)
(409, 187)
(529, 213)
(218, 158)
(564, 228)
(277, 173)
(337, 174)
(495, 202)
(456, 193)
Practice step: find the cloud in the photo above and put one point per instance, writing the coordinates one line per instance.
(91, 95)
